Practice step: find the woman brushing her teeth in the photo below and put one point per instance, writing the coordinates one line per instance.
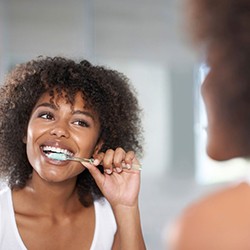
(58, 106)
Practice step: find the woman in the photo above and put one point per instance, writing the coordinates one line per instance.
(221, 221)
(57, 106)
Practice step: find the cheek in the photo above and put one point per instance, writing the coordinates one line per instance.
(29, 138)
(87, 149)
(31, 134)
(87, 143)
(31, 148)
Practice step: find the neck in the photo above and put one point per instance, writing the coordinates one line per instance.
(53, 198)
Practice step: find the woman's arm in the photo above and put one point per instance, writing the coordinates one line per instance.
(129, 233)
(121, 186)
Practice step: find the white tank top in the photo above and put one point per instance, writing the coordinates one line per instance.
(10, 239)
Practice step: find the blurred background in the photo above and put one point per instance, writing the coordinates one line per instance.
(147, 41)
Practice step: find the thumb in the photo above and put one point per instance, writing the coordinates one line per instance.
(95, 172)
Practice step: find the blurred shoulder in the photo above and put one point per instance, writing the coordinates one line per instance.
(225, 211)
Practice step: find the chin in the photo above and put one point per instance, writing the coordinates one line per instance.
(52, 176)
(52, 179)
(217, 156)
(225, 153)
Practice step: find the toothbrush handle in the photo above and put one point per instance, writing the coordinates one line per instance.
(134, 167)
(91, 160)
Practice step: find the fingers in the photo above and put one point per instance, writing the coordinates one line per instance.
(117, 160)
(118, 157)
(95, 172)
(129, 159)
(113, 161)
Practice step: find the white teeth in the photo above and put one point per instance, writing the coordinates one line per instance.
(57, 150)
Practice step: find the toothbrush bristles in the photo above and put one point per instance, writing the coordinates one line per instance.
(64, 157)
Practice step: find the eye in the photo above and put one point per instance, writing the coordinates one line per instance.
(46, 115)
(81, 123)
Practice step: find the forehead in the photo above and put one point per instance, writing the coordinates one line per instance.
(74, 102)
(62, 98)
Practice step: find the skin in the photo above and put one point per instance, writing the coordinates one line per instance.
(227, 108)
(220, 30)
(219, 221)
(49, 205)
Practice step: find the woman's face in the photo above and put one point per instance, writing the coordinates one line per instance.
(227, 109)
(62, 127)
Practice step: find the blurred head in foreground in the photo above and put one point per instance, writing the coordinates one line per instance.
(222, 30)
(221, 220)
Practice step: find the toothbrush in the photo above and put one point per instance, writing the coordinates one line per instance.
(64, 157)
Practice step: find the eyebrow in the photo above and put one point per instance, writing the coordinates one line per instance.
(46, 104)
(74, 112)
(81, 112)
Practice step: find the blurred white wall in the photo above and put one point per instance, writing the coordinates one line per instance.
(144, 40)
(45, 28)
(152, 83)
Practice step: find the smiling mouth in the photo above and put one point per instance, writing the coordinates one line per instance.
(49, 150)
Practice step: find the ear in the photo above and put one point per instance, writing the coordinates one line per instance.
(98, 147)
(25, 139)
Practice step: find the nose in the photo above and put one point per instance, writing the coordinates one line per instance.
(60, 130)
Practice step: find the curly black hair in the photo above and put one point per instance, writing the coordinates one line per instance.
(222, 28)
(108, 92)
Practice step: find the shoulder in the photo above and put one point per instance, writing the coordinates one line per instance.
(225, 211)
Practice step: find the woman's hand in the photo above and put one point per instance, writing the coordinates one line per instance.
(120, 182)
